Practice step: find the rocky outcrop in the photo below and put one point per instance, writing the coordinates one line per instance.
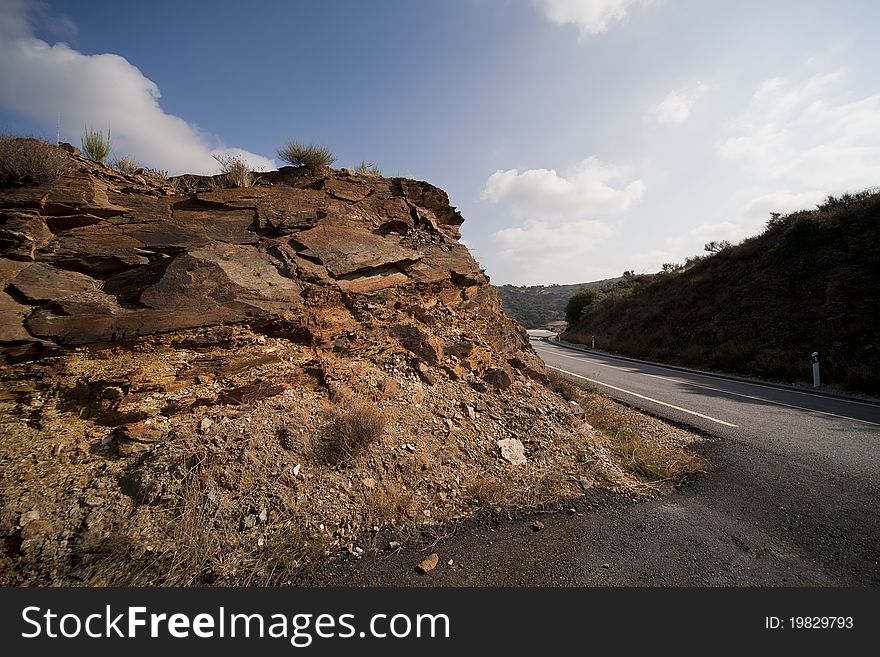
(99, 257)
(175, 354)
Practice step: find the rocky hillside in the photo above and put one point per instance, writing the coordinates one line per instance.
(209, 385)
(810, 282)
(536, 306)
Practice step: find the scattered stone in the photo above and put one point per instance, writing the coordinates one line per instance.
(576, 408)
(250, 521)
(498, 378)
(296, 469)
(426, 374)
(141, 432)
(430, 563)
(572, 511)
(206, 423)
(472, 414)
(131, 448)
(35, 529)
(28, 516)
(537, 526)
(369, 483)
(393, 545)
(450, 562)
(264, 515)
(512, 451)
(605, 565)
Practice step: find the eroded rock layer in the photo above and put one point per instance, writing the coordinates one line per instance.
(178, 356)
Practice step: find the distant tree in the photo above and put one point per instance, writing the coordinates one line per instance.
(581, 300)
(717, 247)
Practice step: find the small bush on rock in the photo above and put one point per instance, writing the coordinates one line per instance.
(306, 155)
(30, 161)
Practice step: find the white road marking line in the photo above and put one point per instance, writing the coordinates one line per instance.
(747, 383)
(635, 394)
(729, 392)
(762, 399)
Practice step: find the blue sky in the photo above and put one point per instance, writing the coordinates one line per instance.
(579, 138)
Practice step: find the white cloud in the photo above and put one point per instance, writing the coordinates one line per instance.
(783, 202)
(546, 251)
(590, 16)
(723, 230)
(39, 80)
(807, 137)
(676, 106)
(587, 188)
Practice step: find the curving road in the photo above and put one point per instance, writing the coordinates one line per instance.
(839, 434)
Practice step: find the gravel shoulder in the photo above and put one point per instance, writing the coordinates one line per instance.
(752, 521)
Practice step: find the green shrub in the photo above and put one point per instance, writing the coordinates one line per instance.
(306, 155)
(581, 300)
(234, 172)
(30, 161)
(95, 145)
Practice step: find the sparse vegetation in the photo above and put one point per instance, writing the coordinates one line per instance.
(306, 155)
(30, 161)
(368, 169)
(353, 430)
(96, 146)
(126, 165)
(638, 454)
(234, 172)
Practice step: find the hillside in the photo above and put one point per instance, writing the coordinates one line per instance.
(810, 282)
(534, 306)
(209, 384)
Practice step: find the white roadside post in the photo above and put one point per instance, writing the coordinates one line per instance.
(816, 380)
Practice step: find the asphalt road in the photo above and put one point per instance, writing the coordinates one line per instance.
(792, 499)
(837, 434)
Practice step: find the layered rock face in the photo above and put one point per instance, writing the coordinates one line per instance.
(99, 257)
(176, 349)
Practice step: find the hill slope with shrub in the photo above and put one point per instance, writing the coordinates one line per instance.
(534, 306)
(810, 282)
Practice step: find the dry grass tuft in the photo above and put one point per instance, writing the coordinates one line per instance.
(126, 165)
(352, 431)
(657, 462)
(368, 169)
(234, 172)
(635, 453)
(30, 161)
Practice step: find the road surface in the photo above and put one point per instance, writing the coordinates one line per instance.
(839, 434)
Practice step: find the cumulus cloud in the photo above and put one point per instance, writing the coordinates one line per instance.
(589, 187)
(807, 137)
(39, 80)
(547, 251)
(676, 106)
(590, 16)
